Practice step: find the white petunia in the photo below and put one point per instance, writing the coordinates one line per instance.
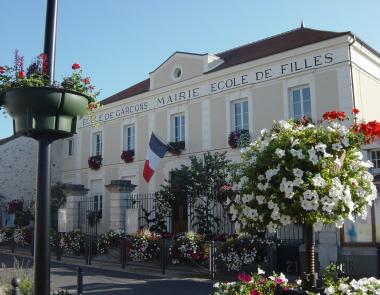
(337, 146)
(271, 227)
(297, 172)
(260, 199)
(318, 181)
(280, 153)
(310, 200)
(285, 219)
(271, 205)
(320, 147)
(297, 153)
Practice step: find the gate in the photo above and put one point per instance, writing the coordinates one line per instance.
(289, 238)
(89, 215)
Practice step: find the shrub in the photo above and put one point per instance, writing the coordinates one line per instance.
(188, 247)
(74, 242)
(144, 246)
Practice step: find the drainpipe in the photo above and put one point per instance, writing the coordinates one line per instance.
(351, 72)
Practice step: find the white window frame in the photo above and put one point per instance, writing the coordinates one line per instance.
(182, 130)
(291, 102)
(95, 149)
(129, 144)
(233, 114)
(70, 147)
(375, 160)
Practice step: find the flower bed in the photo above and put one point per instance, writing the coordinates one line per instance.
(144, 246)
(6, 234)
(109, 240)
(242, 251)
(74, 242)
(187, 248)
(14, 206)
(255, 284)
(23, 236)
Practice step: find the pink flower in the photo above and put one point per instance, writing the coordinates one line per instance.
(75, 66)
(254, 292)
(2, 70)
(244, 277)
(278, 281)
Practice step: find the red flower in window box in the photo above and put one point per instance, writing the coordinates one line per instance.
(239, 138)
(127, 156)
(94, 162)
(14, 206)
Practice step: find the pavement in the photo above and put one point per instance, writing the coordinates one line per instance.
(107, 277)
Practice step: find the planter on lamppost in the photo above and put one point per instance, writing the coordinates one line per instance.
(305, 173)
(45, 111)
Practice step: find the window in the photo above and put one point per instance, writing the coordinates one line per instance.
(365, 231)
(129, 138)
(97, 144)
(70, 147)
(178, 127)
(98, 205)
(239, 115)
(300, 102)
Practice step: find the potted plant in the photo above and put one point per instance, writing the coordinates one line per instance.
(176, 147)
(39, 108)
(94, 162)
(307, 174)
(127, 156)
(239, 138)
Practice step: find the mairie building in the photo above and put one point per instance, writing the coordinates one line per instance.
(197, 99)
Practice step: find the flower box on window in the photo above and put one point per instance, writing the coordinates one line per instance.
(239, 138)
(127, 156)
(94, 162)
(176, 147)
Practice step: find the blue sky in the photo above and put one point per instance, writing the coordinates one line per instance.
(118, 42)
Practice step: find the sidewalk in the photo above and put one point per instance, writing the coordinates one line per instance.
(111, 263)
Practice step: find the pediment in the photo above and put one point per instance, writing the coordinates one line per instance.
(181, 66)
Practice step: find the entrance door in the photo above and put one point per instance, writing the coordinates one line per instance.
(179, 205)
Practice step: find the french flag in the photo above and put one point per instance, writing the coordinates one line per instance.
(156, 151)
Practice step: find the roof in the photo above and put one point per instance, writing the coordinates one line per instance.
(249, 52)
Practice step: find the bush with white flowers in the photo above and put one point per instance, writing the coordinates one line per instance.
(243, 250)
(305, 173)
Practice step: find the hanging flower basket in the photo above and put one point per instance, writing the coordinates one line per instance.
(94, 162)
(39, 109)
(47, 110)
(239, 138)
(176, 147)
(127, 156)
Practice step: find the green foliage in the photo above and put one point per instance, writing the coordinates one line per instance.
(199, 183)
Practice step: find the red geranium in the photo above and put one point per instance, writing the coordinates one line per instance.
(86, 80)
(334, 115)
(75, 66)
(355, 111)
(2, 70)
(21, 74)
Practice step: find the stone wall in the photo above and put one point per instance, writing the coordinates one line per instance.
(18, 167)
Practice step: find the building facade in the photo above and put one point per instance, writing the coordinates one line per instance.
(18, 171)
(199, 99)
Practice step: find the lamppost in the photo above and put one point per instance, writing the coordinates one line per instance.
(42, 218)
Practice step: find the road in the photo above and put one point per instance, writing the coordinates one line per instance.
(107, 282)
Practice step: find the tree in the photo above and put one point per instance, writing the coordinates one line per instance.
(198, 185)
